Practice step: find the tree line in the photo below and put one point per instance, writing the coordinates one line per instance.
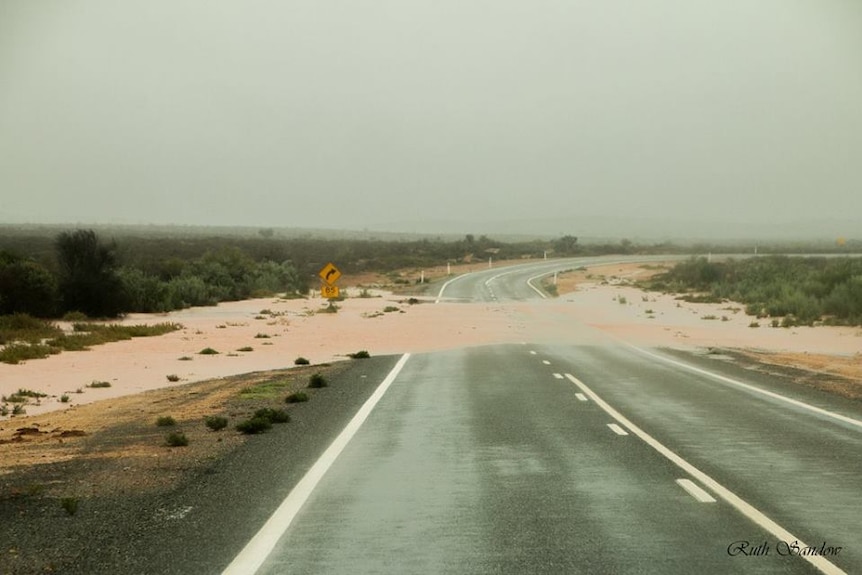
(86, 275)
(801, 290)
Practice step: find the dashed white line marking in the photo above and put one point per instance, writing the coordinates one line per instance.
(581, 396)
(546, 362)
(261, 545)
(617, 429)
(558, 375)
(738, 503)
(695, 491)
(532, 352)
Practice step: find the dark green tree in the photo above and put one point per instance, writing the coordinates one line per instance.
(26, 287)
(87, 275)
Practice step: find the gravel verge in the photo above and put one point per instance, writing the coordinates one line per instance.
(160, 510)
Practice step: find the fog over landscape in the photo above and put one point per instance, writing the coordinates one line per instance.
(659, 119)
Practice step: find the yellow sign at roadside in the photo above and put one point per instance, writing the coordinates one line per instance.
(330, 273)
(329, 292)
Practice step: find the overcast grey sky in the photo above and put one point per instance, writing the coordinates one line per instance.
(352, 114)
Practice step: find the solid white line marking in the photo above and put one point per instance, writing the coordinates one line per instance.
(546, 362)
(617, 429)
(695, 491)
(750, 387)
(445, 285)
(558, 375)
(261, 545)
(581, 396)
(742, 506)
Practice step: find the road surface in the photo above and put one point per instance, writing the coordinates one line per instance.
(585, 457)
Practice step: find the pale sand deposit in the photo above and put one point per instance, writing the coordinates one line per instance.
(296, 329)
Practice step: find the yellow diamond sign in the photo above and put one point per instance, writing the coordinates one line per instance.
(329, 274)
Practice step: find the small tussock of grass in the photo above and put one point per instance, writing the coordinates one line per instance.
(754, 324)
(709, 317)
(362, 354)
(246, 348)
(296, 397)
(186, 358)
(23, 396)
(390, 309)
(254, 425)
(64, 398)
(99, 384)
(208, 351)
(176, 439)
(69, 505)
(173, 377)
(317, 381)
(273, 415)
(166, 421)
(301, 361)
(215, 422)
(265, 390)
(262, 336)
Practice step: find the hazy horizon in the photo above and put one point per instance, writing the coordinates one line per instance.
(657, 119)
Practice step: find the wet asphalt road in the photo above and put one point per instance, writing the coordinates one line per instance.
(583, 459)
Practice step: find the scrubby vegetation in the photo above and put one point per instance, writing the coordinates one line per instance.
(215, 422)
(317, 381)
(800, 290)
(296, 397)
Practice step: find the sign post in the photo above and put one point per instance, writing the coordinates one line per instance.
(329, 274)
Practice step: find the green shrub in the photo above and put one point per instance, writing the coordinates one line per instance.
(176, 439)
(262, 336)
(246, 348)
(301, 361)
(64, 398)
(273, 415)
(166, 421)
(316, 381)
(296, 397)
(363, 354)
(99, 384)
(208, 351)
(173, 377)
(18, 409)
(69, 505)
(216, 422)
(254, 425)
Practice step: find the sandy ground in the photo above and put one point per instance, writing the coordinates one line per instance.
(279, 331)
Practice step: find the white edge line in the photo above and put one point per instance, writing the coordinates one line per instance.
(261, 545)
(445, 285)
(695, 490)
(750, 387)
(617, 429)
(742, 506)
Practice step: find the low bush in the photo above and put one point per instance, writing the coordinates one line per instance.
(273, 415)
(173, 377)
(316, 381)
(296, 397)
(99, 384)
(254, 425)
(69, 505)
(216, 422)
(363, 354)
(166, 421)
(301, 361)
(246, 348)
(176, 439)
(208, 351)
